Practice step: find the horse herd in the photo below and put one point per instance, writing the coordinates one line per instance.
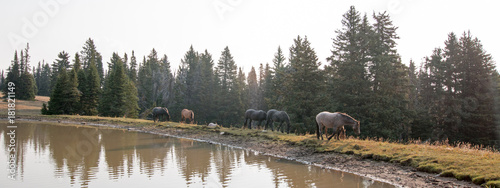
(324, 120)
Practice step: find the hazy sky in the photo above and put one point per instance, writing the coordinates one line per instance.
(253, 29)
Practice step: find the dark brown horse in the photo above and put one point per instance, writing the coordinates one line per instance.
(257, 115)
(277, 116)
(187, 114)
(336, 121)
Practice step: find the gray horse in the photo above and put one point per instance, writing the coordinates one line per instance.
(278, 116)
(336, 121)
(159, 112)
(257, 115)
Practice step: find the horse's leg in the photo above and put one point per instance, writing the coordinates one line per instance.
(245, 124)
(320, 133)
(281, 124)
(250, 124)
(333, 134)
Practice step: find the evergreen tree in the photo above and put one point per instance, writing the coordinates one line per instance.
(13, 74)
(118, 97)
(64, 98)
(349, 84)
(276, 87)
(90, 54)
(253, 90)
(132, 74)
(388, 101)
(26, 86)
(61, 63)
(229, 101)
(304, 84)
(91, 90)
(208, 88)
(475, 75)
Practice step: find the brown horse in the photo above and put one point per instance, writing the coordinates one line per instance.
(336, 121)
(187, 114)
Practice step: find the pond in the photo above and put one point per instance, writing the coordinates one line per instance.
(64, 155)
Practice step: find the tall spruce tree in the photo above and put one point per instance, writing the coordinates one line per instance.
(119, 94)
(13, 74)
(304, 84)
(475, 75)
(90, 54)
(208, 88)
(65, 96)
(389, 78)
(229, 100)
(253, 90)
(276, 86)
(91, 90)
(349, 84)
(26, 86)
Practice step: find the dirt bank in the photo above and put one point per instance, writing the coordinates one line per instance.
(403, 176)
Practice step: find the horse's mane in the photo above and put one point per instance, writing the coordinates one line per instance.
(346, 115)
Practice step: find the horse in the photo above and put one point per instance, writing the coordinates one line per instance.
(160, 111)
(257, 115)
(336, 121)
(187, 114)
(279, 116)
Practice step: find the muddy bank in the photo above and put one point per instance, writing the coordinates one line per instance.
(395, 174)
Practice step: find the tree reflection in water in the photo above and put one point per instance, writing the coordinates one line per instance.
(60, 154)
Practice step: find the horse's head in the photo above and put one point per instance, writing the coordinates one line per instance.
(168, 114)
(357, 128)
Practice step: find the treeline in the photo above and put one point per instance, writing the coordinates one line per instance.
(453, 94)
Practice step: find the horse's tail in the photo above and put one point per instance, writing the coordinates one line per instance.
(317, 130)
(192, 116)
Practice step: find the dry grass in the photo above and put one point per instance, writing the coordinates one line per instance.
(24, 107)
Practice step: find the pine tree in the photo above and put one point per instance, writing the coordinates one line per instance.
(132, 74)
(276, 86)
(13, 74)
(388, 101)
(43, 82)
(90, 54)
(253, 90)
(475, 75)
(64, 98)
(26, 87)
(229, 100)
(118, 97)
(304, 84)
(91, 90)
(349, 84)
(208, 88)
(61, 63)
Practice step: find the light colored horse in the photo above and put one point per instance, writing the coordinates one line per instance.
(336, 121)
(187, 114)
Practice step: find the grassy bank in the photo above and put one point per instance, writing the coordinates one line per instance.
(464, 162)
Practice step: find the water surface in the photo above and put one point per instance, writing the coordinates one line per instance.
(65, 155)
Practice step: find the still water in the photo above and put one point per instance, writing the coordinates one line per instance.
(65, 155)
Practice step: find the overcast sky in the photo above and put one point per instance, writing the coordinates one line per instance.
(253, 29)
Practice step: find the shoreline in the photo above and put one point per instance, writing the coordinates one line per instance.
(387, 172)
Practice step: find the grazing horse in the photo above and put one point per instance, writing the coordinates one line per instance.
(159, 111)
(187, 114)
(278, 116)
(257, 115)
(336, 121)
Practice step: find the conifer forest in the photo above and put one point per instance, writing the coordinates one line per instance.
(453, 94)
